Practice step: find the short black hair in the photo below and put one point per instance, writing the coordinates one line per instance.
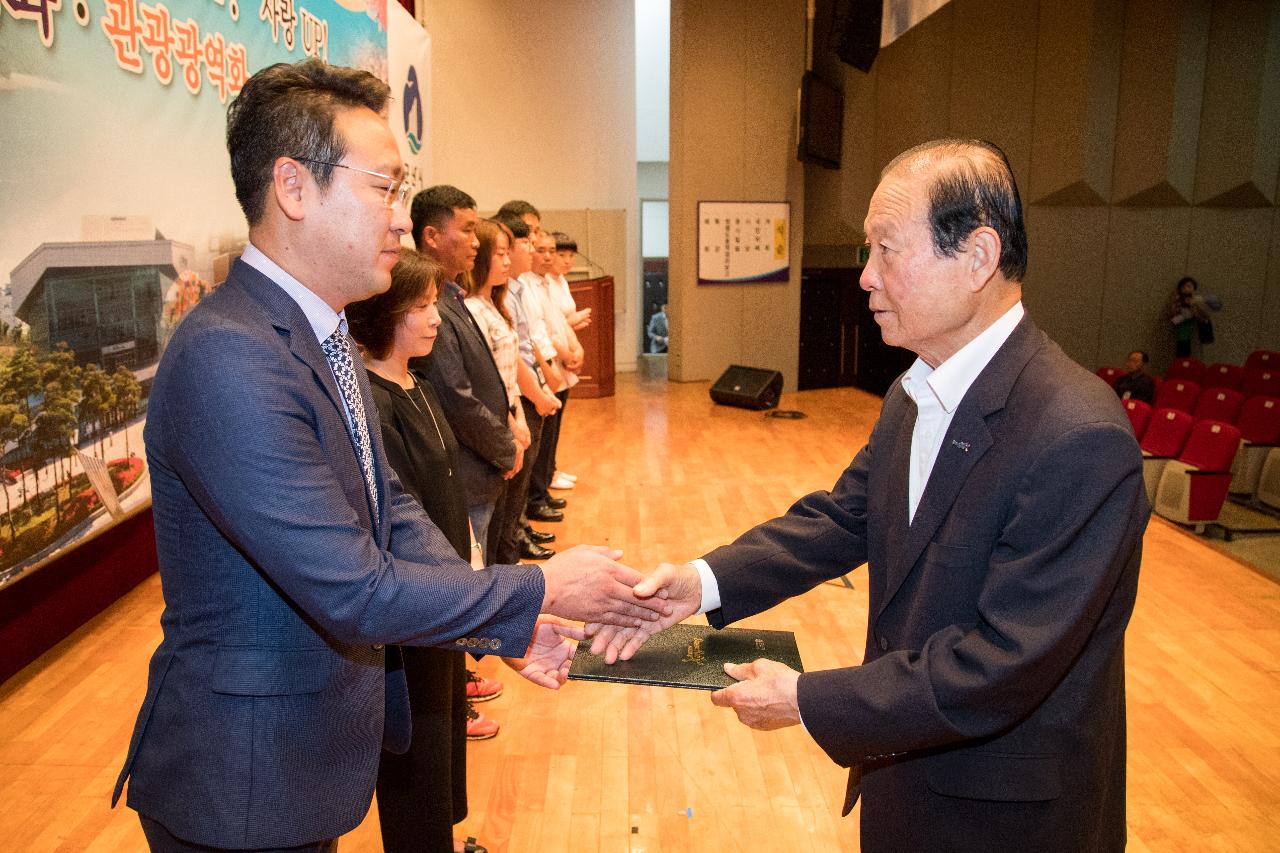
(517, 207)
(288, 111)
(518, 227)
(972, 187)
(434, 205)
(373, 321)
(1195, 285)
(564, 243)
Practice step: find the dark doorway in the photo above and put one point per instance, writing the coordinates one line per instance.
(840, 343)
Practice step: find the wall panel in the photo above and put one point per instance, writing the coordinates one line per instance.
(1269, 331)
(1161, 92)
(1146, 255)
(733, 139)
(913, 87)
(1239, 154)
(1063, 293)
(993, 76)
(1227, 255)
(1078, 51)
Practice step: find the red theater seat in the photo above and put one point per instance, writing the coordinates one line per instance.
(1223, 375)
(1263, 359)
(1139, 416)
(1109, 375)
(1180, 394)
(1259, 424)
(1194, 486)
(1186, 368)
(1261, 381)
(1218, 404)
(1165, 436)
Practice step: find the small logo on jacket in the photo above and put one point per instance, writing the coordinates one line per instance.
(963, 445)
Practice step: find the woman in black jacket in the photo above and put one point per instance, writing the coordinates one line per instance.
(423, 793)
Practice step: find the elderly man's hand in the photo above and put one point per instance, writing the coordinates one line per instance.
(764, 697)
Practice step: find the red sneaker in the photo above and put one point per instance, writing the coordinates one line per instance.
(479, 727)
(481, 689)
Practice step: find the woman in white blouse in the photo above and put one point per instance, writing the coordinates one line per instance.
(486, 296)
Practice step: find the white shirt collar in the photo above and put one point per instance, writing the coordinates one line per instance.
(322, 318)
(951, 380)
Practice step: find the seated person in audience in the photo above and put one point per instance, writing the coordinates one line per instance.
(423, 793)
(1136, 384)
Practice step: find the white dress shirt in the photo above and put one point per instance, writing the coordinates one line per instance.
(937, 394)
(322, 318)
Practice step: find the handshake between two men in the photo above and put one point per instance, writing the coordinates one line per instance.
(621, 609)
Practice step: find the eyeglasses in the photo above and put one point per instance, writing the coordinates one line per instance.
(397, 191)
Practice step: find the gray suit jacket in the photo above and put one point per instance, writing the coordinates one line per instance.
(264, 712)
(988, 713)
(462, 371)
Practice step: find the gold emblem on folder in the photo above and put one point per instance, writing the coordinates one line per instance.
(694, 654)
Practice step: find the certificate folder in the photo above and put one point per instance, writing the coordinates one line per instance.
(689, 656)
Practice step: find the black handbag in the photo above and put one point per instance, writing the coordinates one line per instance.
(1205, 329)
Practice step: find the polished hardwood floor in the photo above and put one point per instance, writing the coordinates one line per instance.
(665, 475)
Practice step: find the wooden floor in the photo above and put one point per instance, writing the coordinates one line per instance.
(665, 475)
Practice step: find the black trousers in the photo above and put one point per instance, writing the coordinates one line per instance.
(423, 793)
(161, 840)
(545, 469)
(507, 518)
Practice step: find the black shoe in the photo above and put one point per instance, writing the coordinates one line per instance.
(557, 503)
(533, 551)
(541, 537)
(544, 513)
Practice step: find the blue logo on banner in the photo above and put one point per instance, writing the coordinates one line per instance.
(413, 105)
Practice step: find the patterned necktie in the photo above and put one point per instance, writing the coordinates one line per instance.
(338, 351)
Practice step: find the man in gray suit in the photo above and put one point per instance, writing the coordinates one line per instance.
(1000, 508)
(289, 554)
(461, 367)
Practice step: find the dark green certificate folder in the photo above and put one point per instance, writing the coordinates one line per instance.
(689, 656)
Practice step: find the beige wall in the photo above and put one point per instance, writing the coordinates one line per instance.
(735, 71)
(1144, 136)
(536, 100)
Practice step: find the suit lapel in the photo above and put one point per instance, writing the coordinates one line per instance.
(293, 326)
(455, 304)
(898, 479)
(966, 441)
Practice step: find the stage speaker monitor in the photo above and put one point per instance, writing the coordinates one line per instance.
(857, 32)
(748, 387)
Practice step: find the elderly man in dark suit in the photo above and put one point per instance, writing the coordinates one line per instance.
(461, 367)
(289, 554)
(1000, 508)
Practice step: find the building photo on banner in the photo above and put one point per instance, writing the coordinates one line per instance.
(119, 216)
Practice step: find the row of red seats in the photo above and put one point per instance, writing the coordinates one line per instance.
(1190, 464)
(1260, 374)
(1218, 404)
(1222, 374)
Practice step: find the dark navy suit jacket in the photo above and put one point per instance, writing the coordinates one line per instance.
(988, 713)
(264, 711)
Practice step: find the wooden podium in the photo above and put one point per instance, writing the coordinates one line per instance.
(596, 378)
